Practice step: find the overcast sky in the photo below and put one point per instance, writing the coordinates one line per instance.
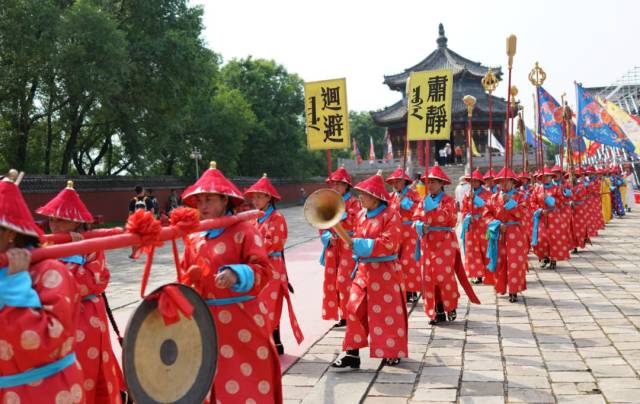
(587, 41)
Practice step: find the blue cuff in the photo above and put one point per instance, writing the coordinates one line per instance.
(326, 237)
(567, 192)
(429, 204)
(16, 290)
(406, 203)
(363, 247)
(510, 204)
(244, 274)
(612, 188)
(419, 228)
(478, 202)
(550, 201)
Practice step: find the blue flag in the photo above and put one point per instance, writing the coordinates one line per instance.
(596, 124)
(550, 116)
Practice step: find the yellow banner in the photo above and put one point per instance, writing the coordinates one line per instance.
(628, 125)
(327, 115)
(429, 95)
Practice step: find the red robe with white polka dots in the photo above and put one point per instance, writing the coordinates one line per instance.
(102, 375)
(31, 338)
(377, 307)
(580, 212)
(595, 221)
(475, 248)
(440, 258)
(248, 364)
(410, 267)
(338, 267)
(553, 229)
(511, 268)
(527, 219)
(274, 234)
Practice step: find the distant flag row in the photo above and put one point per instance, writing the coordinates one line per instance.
(388, 156)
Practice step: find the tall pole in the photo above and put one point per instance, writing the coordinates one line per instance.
(564, 136)
(537, 76)
(514, 93)
(511, 51)
(490, 83)
(470, 102)
(523, 140)
(567, 114)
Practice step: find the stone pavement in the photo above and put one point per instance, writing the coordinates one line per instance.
(574, 337)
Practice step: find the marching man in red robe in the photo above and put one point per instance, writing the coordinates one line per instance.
(508, 248)
(435, 220)
(474, 230)
(377, 308)
(39, 305)
(404, 200)
(550, 236)
(337, 256)
(273, 228)
(579, 210)
(229, 267)
(103, 379)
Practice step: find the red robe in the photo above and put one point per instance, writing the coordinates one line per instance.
(440, 258)
(475, 241)
(274, 234)
(410, 267)
(248, 364)
(511, 269)
(553, 229)
(338, 267)
(103, 378)
(377, 307)
(580, 213)
(32, 338)
(595, 221)
(527, 220)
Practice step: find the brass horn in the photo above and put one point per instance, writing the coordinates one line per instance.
(323, 209)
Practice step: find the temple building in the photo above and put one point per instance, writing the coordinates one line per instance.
(467, 77)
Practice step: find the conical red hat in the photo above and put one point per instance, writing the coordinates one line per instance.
(548, 171)
(556, 168)
(524, 174)
(374, 186)
(437, 173)
(579, 171)
(476, 175)
(212, 182)
(14, 213)
(398, 174)
(67, 205)
(489, 174)
(340, 175)
(591, 170)
(264, 186)
(506, 173)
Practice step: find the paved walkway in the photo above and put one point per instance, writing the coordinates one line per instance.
(573, 338)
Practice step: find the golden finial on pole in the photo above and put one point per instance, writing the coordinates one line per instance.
(69, 184)
(537, 76)
(264, 175)
(490, 82)
(511, 48)
(470, 102)
(213, 165)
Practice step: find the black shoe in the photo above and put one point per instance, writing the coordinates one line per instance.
(341, 323)
(391, 361)
(545, 262)
(575, 250)
(433, 322)
(452, 315)
(477, 281)
(440, 314)
(552, 265)
(280, 349)
(513, 297)
(351, 361)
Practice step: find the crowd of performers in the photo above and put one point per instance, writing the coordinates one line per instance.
(55, 344)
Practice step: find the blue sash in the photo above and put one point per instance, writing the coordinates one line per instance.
(73, 259)
(418, 253)
(88, 297)
(38, 373)
(229, 300)
(465, 227)
(534, 231)
(407, 222)
(366, 260)
(275, 254)
(493, 231)
(324, 250)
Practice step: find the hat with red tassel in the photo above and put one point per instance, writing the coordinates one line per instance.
(524, 175)
(374, 186)
(67, 205)
(398, 174)
(212, 182)
(263, 185)
(436, 173)
(14, 213)
(489, 175)
(340, 175)
(547, 171)
(556, 169)
(476, 175)
(506, 173)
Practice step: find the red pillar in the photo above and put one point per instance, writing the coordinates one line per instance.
(421, 152)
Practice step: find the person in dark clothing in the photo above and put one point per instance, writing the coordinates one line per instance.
(140, 201)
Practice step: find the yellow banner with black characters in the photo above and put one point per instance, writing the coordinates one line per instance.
(429, 95)
(326, 114)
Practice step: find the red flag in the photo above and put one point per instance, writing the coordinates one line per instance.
(389, 155)
(356, 151)
(372, 152)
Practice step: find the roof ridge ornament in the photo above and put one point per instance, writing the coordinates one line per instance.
(442, 39)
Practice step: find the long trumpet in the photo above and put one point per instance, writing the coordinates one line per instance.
(324, 209)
